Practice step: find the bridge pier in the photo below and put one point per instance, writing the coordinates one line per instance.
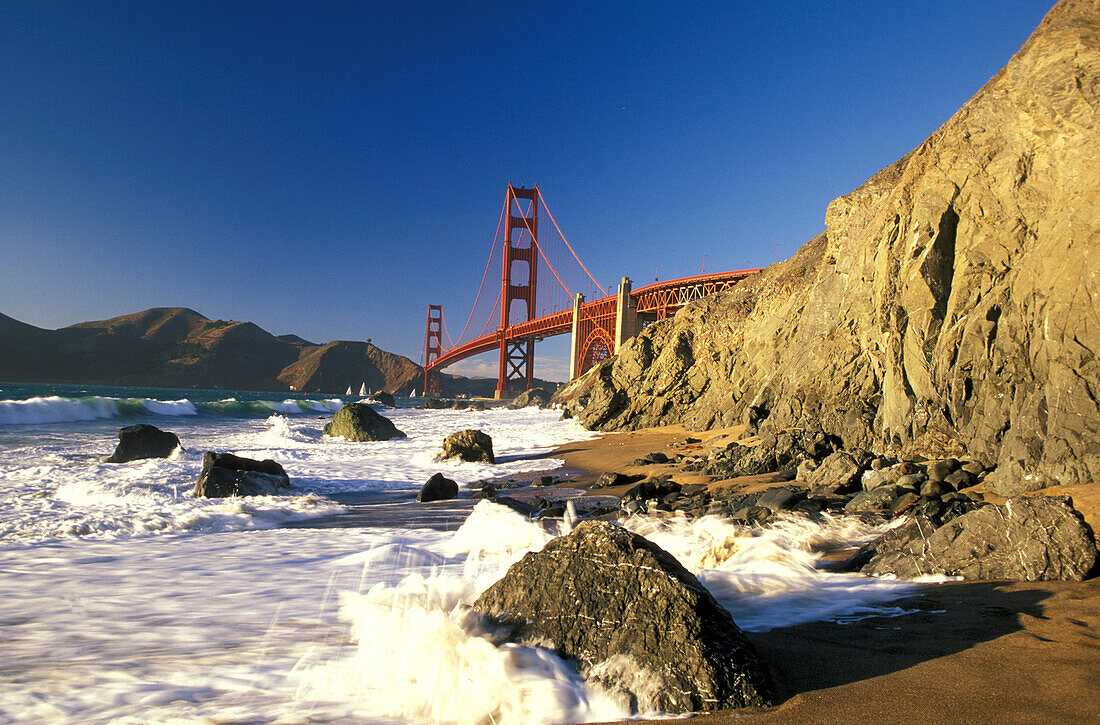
(575, 351)
(626, 315)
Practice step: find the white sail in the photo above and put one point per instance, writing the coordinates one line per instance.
(348, 391)
(363, 389)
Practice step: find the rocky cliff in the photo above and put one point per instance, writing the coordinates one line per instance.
(952, 304)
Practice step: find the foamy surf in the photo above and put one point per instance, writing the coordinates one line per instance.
(418, 653)
(58, 409)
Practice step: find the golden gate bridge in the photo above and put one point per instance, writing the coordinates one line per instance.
(546, 290)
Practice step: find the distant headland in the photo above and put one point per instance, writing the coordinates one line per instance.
(178, 347)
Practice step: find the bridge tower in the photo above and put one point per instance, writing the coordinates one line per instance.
(433, 348)
(517, 357)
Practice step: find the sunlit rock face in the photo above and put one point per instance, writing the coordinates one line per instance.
(953, 303)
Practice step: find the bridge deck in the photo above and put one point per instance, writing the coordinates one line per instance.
(659, 298)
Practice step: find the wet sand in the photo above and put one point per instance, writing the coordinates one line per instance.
(971, 652)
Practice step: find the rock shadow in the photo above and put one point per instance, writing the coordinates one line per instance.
(950, 618)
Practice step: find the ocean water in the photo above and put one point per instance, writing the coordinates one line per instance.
(128, 600)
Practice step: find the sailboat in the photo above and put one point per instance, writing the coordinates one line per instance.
(363, 390)
(348, 391)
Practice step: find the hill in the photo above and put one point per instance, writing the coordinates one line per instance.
(178, 347)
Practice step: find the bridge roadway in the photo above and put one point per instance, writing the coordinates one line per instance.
(652, 302)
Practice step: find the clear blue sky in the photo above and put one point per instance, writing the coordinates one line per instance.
(330, 168)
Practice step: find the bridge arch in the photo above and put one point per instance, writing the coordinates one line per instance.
(597, 347)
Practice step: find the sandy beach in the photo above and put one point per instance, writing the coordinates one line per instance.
(967, 652)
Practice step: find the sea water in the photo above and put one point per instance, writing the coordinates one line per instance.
(125, 599)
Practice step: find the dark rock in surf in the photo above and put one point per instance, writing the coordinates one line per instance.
(437, 488)
(359, 422)
(136, 442)
(469, 445)
(224, 475)
(382, 398)
(629, 613)
(534, 396)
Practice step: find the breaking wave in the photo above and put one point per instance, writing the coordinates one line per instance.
(56, 409)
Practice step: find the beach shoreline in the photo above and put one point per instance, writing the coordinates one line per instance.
(964, 652)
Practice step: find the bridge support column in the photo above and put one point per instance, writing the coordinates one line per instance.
(575, 351)
(626, 316)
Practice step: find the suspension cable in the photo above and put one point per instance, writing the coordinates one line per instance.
(485, 274)
(543, 202)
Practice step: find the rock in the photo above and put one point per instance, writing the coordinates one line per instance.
(469, 445)
(633, 619)
(935, 488)
(939, 470)
(438, 488)
(877, 500)
(140, 441)
(436, 404)
(911, 480)
(780, 498)
(224, 475)
(359, 422)
(651, 488)
(1026, 539)
(612, 478)
(534, 396)
(382, 398)
(838, 473)
(870, 480)
(949, 306)
(903, 503)
(960, 479)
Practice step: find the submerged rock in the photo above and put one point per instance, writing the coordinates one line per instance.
(469, 445)
(1027, 539)
(224, 475)
(633, 618)
(136, 442)
(359, 422)
(438, 488)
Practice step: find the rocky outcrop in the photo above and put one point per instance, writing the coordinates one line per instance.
(469, 445)
(136, 442)
(359, 422)
(951, 305)
(1027, 539)
(437, 488)
(533, 396)
(633, 618)
(224, 475)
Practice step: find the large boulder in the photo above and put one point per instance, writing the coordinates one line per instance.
(143, 441)
(1026, 539)
(224, 475)
(360, 422)
(469, 445)
(838, 473)
(949, 308)
(534, 396)
(437, 488)
(634, 620)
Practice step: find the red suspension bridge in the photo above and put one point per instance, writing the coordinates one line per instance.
(546, 290)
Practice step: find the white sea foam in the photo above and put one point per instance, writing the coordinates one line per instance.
(128, 600)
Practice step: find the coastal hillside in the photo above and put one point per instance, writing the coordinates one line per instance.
(951, 306)
(178, 347)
